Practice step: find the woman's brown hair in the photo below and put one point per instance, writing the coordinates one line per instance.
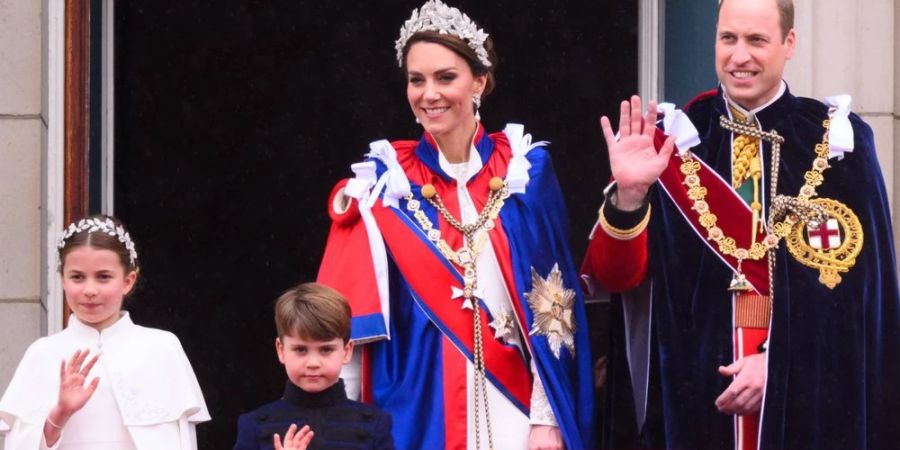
(461, 48)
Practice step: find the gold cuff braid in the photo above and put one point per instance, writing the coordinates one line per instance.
(620, 234)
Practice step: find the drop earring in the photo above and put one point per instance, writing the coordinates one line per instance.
(476, 100)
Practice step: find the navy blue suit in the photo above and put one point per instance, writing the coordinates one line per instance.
(338, 422)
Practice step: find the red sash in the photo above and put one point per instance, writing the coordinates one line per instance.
(430, 277)
(734, 216)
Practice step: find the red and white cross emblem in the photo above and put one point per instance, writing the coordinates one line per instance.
(827, 236)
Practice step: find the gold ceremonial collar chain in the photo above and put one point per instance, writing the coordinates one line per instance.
(784, 212)
(466, 258)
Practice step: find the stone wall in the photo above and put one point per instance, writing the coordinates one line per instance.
(22, 142)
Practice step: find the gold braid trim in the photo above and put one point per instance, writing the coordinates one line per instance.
(746, 152)
(620, 234)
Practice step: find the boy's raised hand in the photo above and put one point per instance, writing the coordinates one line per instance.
(293, 439)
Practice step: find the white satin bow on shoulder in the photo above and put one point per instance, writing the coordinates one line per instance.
(520, 143)
(677, 123)
(393, 181)
(840, 136)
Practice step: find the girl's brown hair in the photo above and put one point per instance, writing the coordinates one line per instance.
(101, 240)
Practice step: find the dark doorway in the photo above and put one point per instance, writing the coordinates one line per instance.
(235, 119)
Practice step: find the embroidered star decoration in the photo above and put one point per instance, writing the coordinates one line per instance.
(551, 303)
(504, 325)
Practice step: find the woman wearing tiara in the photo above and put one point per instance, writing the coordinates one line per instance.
(453, 253)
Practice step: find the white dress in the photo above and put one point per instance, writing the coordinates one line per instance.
(148, 397)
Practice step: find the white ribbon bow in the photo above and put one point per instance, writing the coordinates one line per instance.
(677, 123)
(359, 186)
(517, 173)
(393, 181)
(840, 136)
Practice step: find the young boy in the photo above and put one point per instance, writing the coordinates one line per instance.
(313, 342)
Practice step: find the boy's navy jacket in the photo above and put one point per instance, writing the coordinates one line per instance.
(338, 422)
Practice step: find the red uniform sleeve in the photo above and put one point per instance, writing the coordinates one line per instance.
(618, 265)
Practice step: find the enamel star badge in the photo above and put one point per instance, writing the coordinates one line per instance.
(551, 303)
(504, 325)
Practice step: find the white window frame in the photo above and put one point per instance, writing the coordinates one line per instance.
(107, 141)
(650, 52)
(53, 166)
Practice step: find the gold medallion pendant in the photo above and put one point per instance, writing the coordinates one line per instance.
(830, 247)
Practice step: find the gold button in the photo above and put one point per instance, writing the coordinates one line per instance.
(496, 184)
(428, 191)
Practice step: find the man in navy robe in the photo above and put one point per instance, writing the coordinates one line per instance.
(760, 231)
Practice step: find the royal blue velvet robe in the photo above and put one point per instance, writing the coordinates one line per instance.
(406, 369)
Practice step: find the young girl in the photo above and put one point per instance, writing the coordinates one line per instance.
(103, 383)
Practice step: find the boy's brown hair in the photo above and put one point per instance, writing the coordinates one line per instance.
(313, 311)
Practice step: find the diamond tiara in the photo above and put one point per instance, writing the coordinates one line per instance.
(435, 15)
(102, 225)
